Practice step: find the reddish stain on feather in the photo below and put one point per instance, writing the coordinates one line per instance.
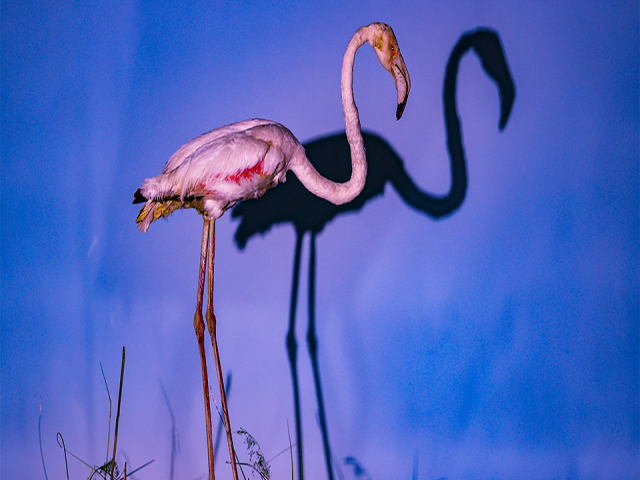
(247, 173)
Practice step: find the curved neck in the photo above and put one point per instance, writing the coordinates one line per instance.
(340, 193)
(351, 116)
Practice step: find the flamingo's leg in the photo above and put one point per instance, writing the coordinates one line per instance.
(312, 342)
(292, 348)
(198, 324)
(211, 323)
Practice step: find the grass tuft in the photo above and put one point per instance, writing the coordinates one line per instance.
(257, 461)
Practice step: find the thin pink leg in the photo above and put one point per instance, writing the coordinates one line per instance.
(198, 324)
(211, 323)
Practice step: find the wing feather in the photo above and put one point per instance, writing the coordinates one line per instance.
(217, 162)
(190, 147)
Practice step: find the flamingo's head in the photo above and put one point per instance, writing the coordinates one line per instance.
(386, 47)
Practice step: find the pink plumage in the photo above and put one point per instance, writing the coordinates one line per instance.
(218, 169)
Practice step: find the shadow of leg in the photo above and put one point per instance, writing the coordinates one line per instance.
(313, 350)
(292, 349)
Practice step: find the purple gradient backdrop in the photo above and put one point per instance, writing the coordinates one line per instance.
(501, 342)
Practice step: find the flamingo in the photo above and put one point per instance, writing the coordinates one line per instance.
(292, 203)
(214, 171)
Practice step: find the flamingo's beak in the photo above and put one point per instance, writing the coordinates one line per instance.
(403, 82)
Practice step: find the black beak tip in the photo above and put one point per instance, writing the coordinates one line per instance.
(400, 109)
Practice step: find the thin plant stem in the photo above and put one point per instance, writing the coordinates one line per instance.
(110, 404)
(140, 468)
(40, 440)
(115, 437)
(59, 437)
(290, 448)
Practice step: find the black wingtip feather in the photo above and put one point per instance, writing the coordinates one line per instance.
(138, 197)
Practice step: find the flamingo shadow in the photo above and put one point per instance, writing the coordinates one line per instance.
(292, 203)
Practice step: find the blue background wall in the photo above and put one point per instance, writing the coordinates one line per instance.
(500, 342)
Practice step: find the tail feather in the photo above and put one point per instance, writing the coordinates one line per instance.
(145, 217)
(153, 210)
(159, 201)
